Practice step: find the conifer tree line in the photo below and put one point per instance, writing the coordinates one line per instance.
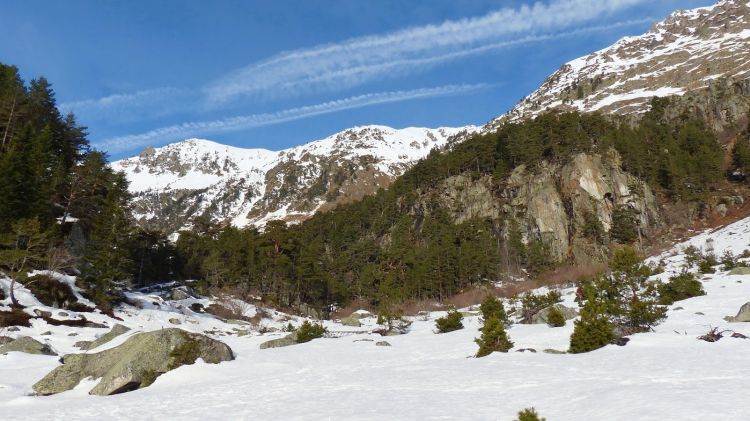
(63, 208)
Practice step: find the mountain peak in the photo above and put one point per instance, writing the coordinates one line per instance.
(177, 182)
(684, 52)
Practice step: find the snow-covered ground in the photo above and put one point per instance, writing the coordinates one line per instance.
(667, 374)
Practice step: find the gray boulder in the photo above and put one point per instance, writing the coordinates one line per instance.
(175, 321)
(742, 316)
(740, 270)
(5, 340)
(134, 364)
(352, 321)
(116, 331)
(290, 339)
(382, 343)
(541, 316)
(27, 345)
(181, 293)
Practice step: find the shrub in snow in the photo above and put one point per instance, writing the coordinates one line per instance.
(14, 317)
(728, 260)
(450, 322)
(529, 414)
(680, 287)
(492, 307)
(692, 256)
(51, 292)
(493, 338)
(705, 267)
(555, 317)
(309, 331)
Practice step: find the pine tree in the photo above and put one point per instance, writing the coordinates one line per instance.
(555, 317)
(493, 338)
(492, 307)
(529, 414)
(450, 322)
(593, 330)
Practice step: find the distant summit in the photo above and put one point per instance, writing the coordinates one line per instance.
(176, 183)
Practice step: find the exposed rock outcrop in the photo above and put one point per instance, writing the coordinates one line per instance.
(27, 345)
(552, 203)
(134, 364)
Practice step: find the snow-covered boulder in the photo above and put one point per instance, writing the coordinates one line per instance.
(27, 345)
(134, 364)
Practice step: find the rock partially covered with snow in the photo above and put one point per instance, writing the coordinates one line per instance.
(742, 316)
(116, 331)
(27, 345)
(134, 364)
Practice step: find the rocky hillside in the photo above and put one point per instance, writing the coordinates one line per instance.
(180, 181)
(688, 51)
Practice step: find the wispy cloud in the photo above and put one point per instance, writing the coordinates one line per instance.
(357, 61)
(131, 142)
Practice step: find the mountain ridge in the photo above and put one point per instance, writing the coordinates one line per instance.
(251, 186)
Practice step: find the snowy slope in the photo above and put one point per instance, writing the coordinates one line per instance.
(663, 375)
(685, 52)
(174, 183)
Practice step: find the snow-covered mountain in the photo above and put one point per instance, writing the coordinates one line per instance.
(175, 183)
(685, 52)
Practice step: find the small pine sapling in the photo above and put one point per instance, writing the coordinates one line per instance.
(529, 414)
(493, 338)
(450, 322)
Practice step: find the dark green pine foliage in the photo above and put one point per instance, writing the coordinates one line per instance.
(529, 414)
(555, 317)
(617, 304)
(494, 338)
(492, 307)
(450, 322)
(680, 287)
(49, 177)
(309, 331)
(593, 330)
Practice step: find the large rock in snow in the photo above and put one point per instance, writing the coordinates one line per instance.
(27, 345)
(742, 316)
(541, 317)
(290, 339)
(134, 364)
(740, 270)
(116, 331)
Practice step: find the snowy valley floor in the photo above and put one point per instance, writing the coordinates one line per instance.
(663, 375)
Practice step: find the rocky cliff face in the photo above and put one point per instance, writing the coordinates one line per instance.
(174, 184)
(552, 203)
(688, 51)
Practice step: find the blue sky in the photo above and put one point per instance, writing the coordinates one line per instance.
(275, 74)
